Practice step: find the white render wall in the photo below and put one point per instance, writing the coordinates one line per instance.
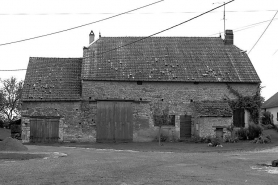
(274, 112)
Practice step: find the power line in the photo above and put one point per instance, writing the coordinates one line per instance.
(105, 13)
(165, 29)
(161, 31)
(245, 27)
(81, 25)
(263, 32)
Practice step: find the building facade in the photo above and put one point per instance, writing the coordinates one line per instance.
(110, 94)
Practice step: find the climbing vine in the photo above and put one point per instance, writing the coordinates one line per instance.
(251, 103)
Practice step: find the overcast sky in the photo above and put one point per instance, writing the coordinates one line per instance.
(21, 19)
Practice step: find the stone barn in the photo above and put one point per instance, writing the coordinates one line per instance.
(109, 94)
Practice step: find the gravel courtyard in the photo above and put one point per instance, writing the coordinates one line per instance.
(124, 167)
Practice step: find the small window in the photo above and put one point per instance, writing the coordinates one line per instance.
(171, 121)
(139, 82)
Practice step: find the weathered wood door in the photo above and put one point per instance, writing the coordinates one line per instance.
(238, 118)
(185, 126)
(114, 121)
(44, 130)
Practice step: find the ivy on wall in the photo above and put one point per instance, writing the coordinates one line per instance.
(250, 103)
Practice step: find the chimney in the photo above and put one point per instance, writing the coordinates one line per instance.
(229, 37)
(99, 35)
(91, 37)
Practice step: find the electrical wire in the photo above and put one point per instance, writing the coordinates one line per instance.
(263, 32)
(245, 27)
(81, 25)
(164, 29)
(105, 13)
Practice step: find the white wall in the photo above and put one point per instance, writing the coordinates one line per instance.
(274, 112)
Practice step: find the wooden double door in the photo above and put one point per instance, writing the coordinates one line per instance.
(44, 130)
(114, 121)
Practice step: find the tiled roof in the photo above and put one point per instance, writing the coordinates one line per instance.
(52, 79)
(186, 59)
(271, 102)
(212, 109)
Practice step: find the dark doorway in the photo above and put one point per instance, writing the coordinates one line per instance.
(238, 118)
(185, 126)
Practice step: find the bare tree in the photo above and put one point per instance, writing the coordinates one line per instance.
(10, 98)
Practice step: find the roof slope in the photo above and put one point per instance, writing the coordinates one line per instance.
(190, 59)
(271, 102)
(52, 79)
(213, 109)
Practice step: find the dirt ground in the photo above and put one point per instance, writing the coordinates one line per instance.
(78, 165)
(4, 133)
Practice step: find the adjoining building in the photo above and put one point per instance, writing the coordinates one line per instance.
(271, 105)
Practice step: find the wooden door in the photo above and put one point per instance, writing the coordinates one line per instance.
(238, 118)
(185, 126)
(44, 130)
(114, 121)
(123, 121)
(105, 122)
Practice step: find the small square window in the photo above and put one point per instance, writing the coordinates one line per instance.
(172, 120)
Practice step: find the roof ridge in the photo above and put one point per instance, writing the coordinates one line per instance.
(159, 37)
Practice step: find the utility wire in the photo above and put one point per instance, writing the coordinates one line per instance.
(81, 25)
(164, 29)
(105, 13)
(245, 27)
(263, 32)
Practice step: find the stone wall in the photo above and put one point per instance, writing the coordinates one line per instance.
(72, 126)
(205, 126)
(78, 118)
(176, 95)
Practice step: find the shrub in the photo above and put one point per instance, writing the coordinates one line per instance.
(269, 126)
(215, 141)
(254, 131)
(262, 139)
(163, 138)
(242, 134)
(230, 139)
(266, 118)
